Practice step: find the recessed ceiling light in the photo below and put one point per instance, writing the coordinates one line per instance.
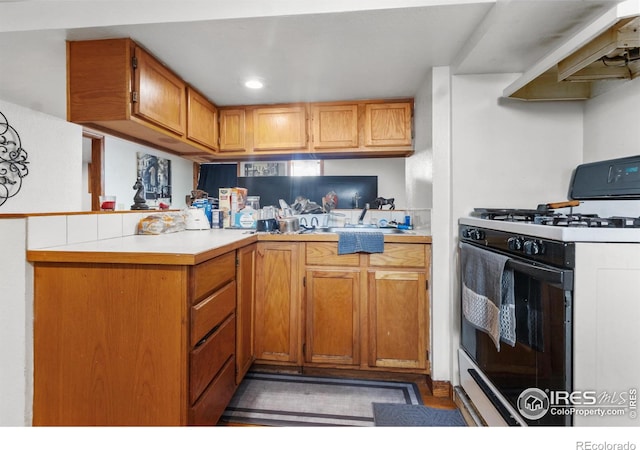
(254, 83)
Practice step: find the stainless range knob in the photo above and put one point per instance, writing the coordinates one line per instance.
(515, 243)
(473, 233)
(533, 248)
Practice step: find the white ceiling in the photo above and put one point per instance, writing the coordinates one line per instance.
(305, 50)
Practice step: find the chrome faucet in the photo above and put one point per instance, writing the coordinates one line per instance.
(362, 214)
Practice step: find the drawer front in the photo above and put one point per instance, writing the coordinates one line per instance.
(326, 254)
(212, 311)
(216, 397)
(400, 255)
(212, 274)
(207, 359)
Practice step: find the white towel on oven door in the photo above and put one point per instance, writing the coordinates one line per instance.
(487, 293)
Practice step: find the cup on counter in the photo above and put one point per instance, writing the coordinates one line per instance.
(107, 203)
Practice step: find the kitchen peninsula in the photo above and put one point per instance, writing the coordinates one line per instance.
(160, 329)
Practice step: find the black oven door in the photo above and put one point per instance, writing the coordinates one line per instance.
(542, 356)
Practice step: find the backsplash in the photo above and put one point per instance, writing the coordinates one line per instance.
(52, 231)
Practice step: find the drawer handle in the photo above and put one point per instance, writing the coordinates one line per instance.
(206, 337)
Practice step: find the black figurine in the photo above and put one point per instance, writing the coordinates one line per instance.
(138, 200)
(379, 202)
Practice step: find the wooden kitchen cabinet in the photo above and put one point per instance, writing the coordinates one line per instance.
(134, 344)
(233, 131)
(278, 294)
(202, 120)
(282, 128)
(334, 126)
(369, 311)
(332, 316)
(159, 95)
(116, 86)
(398, 304)
(245, 277)
(388, 124)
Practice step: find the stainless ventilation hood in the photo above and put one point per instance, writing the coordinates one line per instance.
(607, 49)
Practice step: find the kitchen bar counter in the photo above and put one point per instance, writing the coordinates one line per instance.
(187, 247)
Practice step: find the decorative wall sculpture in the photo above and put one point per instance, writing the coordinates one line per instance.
(13, 161)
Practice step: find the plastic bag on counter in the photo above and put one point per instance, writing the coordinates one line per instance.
(162, 223)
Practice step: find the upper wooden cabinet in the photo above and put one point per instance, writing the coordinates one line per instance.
(202, 123)
(280, 128)
(335, 126)
(158, 94)
(387, 124)
(233, 130)
(116, 86)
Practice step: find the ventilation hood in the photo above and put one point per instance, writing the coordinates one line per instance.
(614, 54)
(608, 49)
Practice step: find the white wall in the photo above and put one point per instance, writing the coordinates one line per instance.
(419, 166)
(54, 149)
(504, 153)
(611, 123)
(120, 168)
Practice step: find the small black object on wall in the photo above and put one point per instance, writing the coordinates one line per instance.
(13, 161)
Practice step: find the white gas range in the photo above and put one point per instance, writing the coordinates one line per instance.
(577, 306)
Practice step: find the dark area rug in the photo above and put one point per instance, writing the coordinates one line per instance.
(396, 415)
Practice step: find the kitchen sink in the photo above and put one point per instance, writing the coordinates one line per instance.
(360, 229)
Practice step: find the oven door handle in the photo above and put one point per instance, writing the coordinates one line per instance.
(559, 277)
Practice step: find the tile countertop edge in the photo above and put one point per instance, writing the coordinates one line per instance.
(191, 248)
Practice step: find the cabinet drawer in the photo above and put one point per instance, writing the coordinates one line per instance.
(400, 255)
(326, 254)
(216, 397)
(207, 359)
(211, 311)
(212, 274)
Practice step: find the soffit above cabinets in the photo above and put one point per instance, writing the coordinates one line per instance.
(609, 49)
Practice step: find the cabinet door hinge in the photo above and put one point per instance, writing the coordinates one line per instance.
(304, 281)
(237, 261)
(304, 349)
(426, 285)
(427, 354)
(134, 62)
(134, 96)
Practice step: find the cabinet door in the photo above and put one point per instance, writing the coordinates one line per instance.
(387, 124)
(332, 307)
(202, 120)
(244, 311)
(277, 312)
(398, 319)
(334, 126)
(161, 95)
(232, 130)
(280, 128)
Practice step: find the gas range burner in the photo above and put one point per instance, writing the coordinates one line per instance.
(507, 215)
(588, 221)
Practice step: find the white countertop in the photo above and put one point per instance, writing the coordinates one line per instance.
(558, 233)
(185, 247)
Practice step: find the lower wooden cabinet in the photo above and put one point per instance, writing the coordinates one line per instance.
(355, 311)
(134, 344)
(245, 280)
(277, 313)
(332, 316)
(398, 319)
